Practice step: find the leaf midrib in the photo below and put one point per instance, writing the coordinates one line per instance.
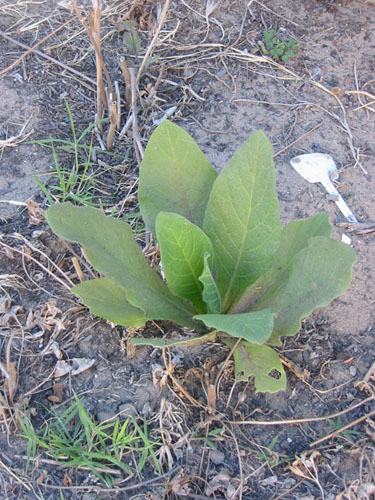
(182, 191)
(234, 275)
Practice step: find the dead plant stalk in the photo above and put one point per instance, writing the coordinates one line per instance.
(154, 40)
(113, 122)
(126, 75)
(94, 22)
(95, 45)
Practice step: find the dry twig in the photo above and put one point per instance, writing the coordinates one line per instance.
(169, 368)
(31, 49)
(95, 45)
(82, 76)
(154, 40)
(94, 23)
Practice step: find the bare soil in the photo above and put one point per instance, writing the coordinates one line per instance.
(223, 88)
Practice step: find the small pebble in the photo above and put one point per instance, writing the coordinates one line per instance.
(217, 457)
(353, 371)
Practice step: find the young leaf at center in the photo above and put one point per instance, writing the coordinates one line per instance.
(182, 247)
(210, 293)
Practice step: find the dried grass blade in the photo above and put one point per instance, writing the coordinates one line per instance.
(94, 23)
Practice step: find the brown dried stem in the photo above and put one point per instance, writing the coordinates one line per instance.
(169, 369)
(156, 86)
(302, 420)
(95, 45)
(342, 429)
(82, 76)
(128, 92)
(94, 23)
(113, 121)
(154, 40)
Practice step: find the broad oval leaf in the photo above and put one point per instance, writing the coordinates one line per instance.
(242, 218)
(320, 273)
(109, 246)
(312, 277)
(175, 176)
(107, 300)
(182, 247)
(255, 327)
(294, 237)
(258, 361)
(210, 293)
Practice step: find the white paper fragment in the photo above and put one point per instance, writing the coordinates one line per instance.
(62, 368)
(346, 239)
(80, 365)
(74, 366)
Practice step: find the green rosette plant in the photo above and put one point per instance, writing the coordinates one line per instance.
(230, 270)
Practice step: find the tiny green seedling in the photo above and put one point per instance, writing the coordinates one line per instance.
(347, 434)
(132, 42)
(74, 183)
(131, 37)
(271, 458)
(277, 48)
(231, 270)
(74, 439)
(210, 438)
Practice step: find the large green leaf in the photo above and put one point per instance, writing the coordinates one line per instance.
(107, 300)
(254, 327)
(210, 293)
(294, 237)
(258, 361)
(318, 273)
(182, 246)
(242, 218)
(109, 246)
(175, 176)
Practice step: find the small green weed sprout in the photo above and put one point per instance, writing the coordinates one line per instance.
(271, 457)
(74, 439)
(76, 183)
(210, 438)
(347, 434)
(136, 222)
(277, 48)
(132, 42)
(131, 37)
(231, 270)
